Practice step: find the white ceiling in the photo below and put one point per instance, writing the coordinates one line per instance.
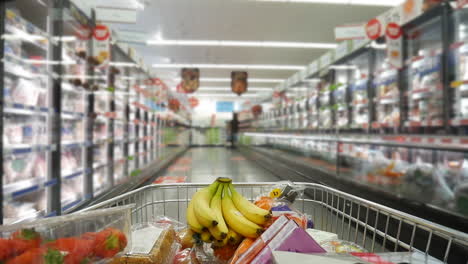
(241, 20)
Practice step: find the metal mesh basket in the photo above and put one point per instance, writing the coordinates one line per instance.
(375, 227)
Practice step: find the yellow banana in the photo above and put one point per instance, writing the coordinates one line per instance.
(233, 237)
(221, 230)
(248, 209)
(206, 237)
(220, 242)
(192, 219)
(236, 220)
(201, 206)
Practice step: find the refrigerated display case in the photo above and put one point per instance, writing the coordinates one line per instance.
(459, 66)
(340, 93)
(358, 89)
(387, 93)
(425, 84)
(326, 103)
(27, 112)
(313, 102)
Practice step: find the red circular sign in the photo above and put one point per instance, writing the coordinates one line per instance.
(393, 31)
(101, 32)
(374, 29)
(83, 33)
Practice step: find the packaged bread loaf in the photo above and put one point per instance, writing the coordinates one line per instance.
(151, 245)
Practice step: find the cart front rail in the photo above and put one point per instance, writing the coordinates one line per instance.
(375, 227)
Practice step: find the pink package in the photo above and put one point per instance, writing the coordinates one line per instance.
(263, 240)
(291, 238)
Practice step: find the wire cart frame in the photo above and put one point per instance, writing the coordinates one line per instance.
(375, 227)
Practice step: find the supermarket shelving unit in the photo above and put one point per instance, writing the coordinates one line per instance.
(410, 144)
(74, 132)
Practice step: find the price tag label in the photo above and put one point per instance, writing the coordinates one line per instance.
(275, 193)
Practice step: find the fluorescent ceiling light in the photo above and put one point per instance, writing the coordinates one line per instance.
(266, 89)
(232, 43)
(232, 66)
(342, 2)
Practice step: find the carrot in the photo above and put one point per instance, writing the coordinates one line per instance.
(243, 247)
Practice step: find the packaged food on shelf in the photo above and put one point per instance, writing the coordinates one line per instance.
(426, 95)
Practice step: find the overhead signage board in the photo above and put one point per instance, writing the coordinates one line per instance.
(116, 15)
(349, 32)
(224, 107)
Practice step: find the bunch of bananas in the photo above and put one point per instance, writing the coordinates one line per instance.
(220, 215)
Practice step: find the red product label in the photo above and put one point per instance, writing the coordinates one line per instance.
(83, 33)
(374, 29)
(393, 31)
(101, 32)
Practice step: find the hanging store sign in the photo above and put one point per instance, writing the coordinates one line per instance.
(101, 44)
(394, 40)
(116, 15)
(190, 80)
(374, 29)
(350, 32)
(239, 82)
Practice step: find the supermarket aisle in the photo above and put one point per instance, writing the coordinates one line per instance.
(206, 164)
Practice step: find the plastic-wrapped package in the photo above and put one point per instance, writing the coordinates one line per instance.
(419, 182)
(74, 238)
(151, 244)
(341, 246)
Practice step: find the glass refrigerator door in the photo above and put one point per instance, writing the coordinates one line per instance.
(27, 112)
(340, 96)
(101, 139)
(325, 105)
(460, 63)
(314, 107)
(387, 93)
(425, 88)
(360, 116)
(74, 105)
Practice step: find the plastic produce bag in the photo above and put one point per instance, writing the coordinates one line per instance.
(341, 246)
(280, 201)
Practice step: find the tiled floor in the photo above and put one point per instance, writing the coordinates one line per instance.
(207, 164)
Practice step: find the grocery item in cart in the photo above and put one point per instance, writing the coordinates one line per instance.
(215, 207)
(290, 238)
(354, 258)
(151, 244)
(82, 237)
(341, 246)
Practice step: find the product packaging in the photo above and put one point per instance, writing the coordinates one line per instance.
(290, 238)
(151, 244)
(89, 236)
(257, 246)
(353, 258)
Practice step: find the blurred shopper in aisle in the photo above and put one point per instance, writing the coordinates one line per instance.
(234, 130)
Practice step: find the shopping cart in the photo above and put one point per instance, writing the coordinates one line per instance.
(373, 226)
